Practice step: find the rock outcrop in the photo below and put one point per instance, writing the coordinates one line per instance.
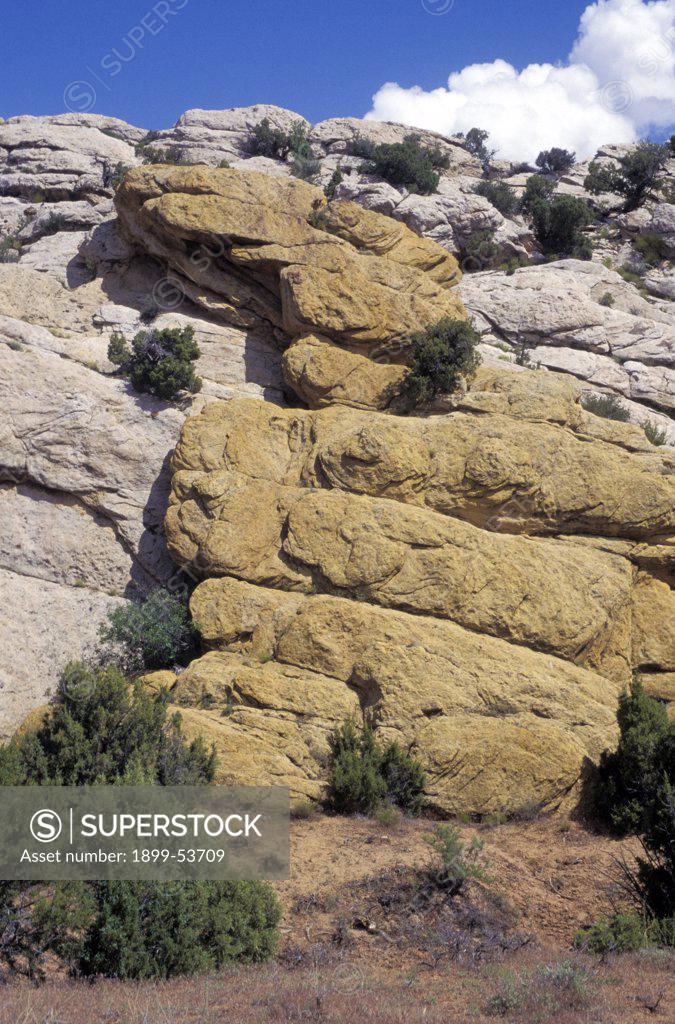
(477, 581)
(483, 582)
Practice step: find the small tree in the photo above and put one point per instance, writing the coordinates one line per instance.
(102, 731)
(157, 633)
(159, 362)
(537, 187)
(555, 161)
(629, 776)
(474, 142)
(268, 141)
(458, 863)
(140, 930)
(333, 184)
(636, 795)
(439, 356)
(558, 225)
(501, 195)
(99, 729)
(633, 177)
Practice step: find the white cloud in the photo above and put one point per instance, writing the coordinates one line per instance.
(619, 81)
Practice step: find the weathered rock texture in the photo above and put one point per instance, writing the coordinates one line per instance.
(268, 252)
(483, 582)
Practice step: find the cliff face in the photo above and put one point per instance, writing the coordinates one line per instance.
(484, 580)
(471, 579)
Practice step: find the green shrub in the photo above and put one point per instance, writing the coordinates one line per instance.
(555, 161)
(630, 277)
(336, 179)
(652, 248)
(629, 776)
(558, 224)
(355, 784)
(501, 195)
(633, 176)
(655, 434)
(439, 356)
(636, 794)
(403, 777)
(479, 251)
(10, 249)
(156, 633)
(158, 362)
(408, 163)
(113, 174)
(99, 729)
(268, 141)
(457, 863)
(607, 406)
(140, 930)
(624, 932)
(277, 144)
(364, 774)
(536, 187)
(607, 300)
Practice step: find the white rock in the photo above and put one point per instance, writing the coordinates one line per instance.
(43, 626)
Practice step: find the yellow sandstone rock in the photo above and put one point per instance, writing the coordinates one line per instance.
(259, 249)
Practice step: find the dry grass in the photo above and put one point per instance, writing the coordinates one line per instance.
(359, 946)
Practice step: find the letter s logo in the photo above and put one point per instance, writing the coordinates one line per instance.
(45, 826)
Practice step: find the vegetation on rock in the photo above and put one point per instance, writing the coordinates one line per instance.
(655, 434)
(652, 248)
(501, 195)
(635, 176)
(555, 161)
(474, 142)
(440, 356)
(537, 188)
(159, 362)
(558, 224)
(408, 163)
(364, 774)
(608, 406)
(156, 633)
(479, 251)
(100, 729)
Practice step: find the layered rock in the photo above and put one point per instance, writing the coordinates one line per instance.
(516, 537)
(263, 251)
(288, 283)
(494, 725)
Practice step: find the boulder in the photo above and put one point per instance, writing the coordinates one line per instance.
(245, 246)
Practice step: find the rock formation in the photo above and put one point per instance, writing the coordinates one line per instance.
(483, 581)
(473, 580)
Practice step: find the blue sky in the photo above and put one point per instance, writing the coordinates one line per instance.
(319, 58)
